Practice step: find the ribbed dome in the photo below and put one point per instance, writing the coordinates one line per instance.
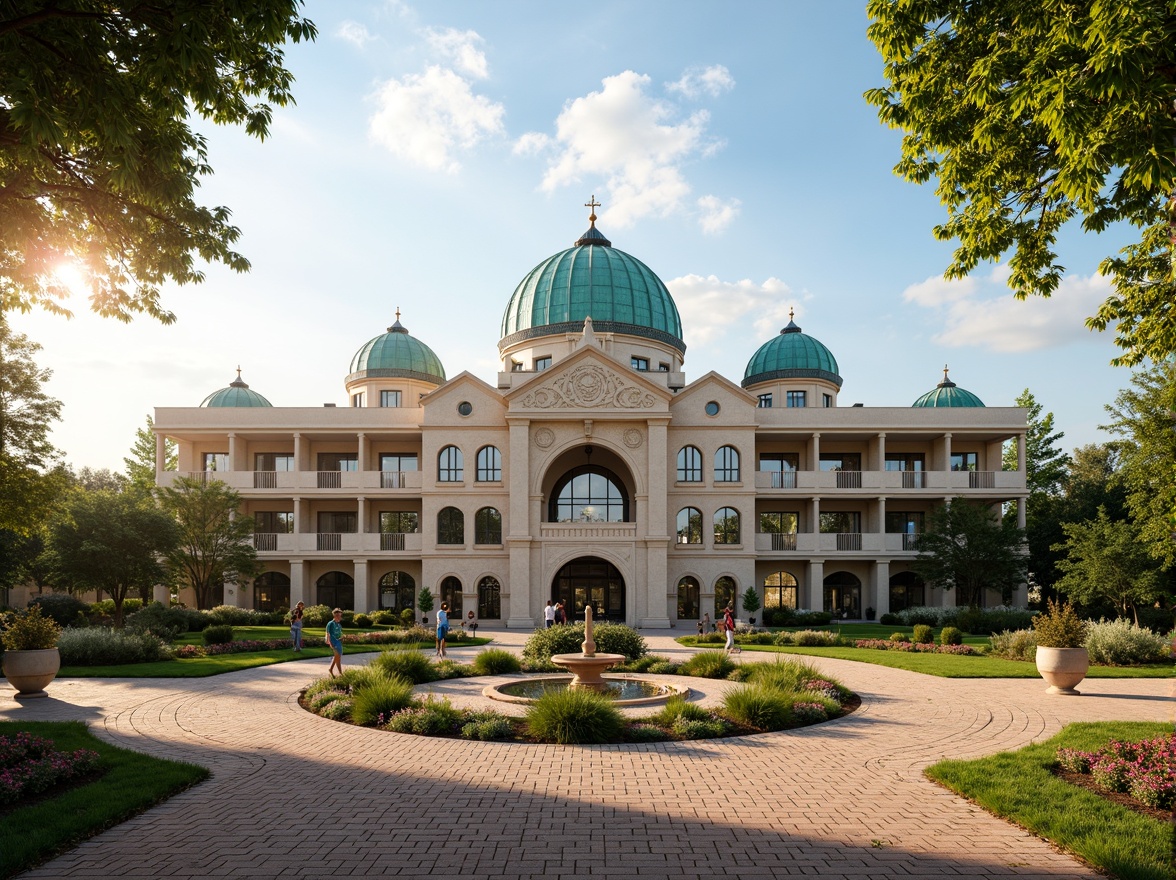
(397, 354)
(948, 393)
(791, 355)
(592, 279)
(237, 394)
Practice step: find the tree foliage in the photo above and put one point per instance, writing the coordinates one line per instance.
(140, 464)
(1031, 114)
(967, 548)
(98, 164)
(215, 545)
(111, 541)
(1045, 462)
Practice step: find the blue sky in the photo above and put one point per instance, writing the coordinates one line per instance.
(439, 151)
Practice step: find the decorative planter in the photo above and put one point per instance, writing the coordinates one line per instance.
(30, 671)
(1062, 668)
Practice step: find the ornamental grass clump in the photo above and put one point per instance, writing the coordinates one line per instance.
(574, 716)
(816, 638)
(407, 663)
(28, 630)
(679, 707)
(433, 717)
(1060, 627)
(707, 664)
(379, 699)
(1018, 645)
(758, 706)
(496, 661)
(1121, 643)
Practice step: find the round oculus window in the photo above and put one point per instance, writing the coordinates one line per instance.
(712, 408)
(465, 408)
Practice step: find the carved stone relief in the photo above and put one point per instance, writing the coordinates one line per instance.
(589, 386)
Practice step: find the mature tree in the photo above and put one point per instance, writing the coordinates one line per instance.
(215, 545)
(94, 479)
(1031, 114)
(966, 547)
(30, 476)
(98, 164)
(110, 541)
(1104, 561)
(1045, 462)
(140, 463)
(1143, 417)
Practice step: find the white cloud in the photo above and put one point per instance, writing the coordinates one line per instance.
(424, 118)
(460, 47)
(354, 32)
(630, 140)
(710, 306)
(717, 215)
(980, 311)
(531, 144)
(713, 81)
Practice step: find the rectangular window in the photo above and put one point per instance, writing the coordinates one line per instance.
(216, 461)
(841, 461)
(840, 521)
(389, 398)
(398, 461)
(338, 521)
(338, 461)
(779, 461)
(357, 399)
(765, 401)
(516, 366)
(900, 522)
(274, 521)
(779, 522)
(663, 368)
(399, 521)
(273, 461)
(542, 363)
(960, 461)
(827, 400)
(639, 364)
(904, 461)
(795, 399)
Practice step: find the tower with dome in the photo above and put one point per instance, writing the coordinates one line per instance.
(590, 469)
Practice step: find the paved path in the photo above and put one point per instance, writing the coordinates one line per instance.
(295, 795)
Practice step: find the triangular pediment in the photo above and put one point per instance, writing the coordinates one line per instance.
(588, 379)
(486, 403)
(714, 382)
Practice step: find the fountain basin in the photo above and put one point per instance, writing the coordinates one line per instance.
(586, 669)
(625, 690)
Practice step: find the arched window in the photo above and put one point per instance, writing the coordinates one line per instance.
(589, 494)
(489, 465)
(451, 593)
(488, 526)
(689, 525)
(397, 591)
(271, 592)
(688, 608)
(335, 589)
(727, 465)
(450, 526)
(489, 599)
(449, 465)
(724, 596)
(779, 592)
(726, 525)
(689, 465)
(907, 590)
(843, 595)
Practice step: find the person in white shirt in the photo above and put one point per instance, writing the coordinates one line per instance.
(549, 614)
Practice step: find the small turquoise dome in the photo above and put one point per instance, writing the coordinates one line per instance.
(592, 279)
(948, 393)
(237, 394)
(791, 355)
(396, 354)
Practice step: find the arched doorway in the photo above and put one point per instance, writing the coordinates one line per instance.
(907, 590)
(590, 579)
(336, 589)
(271, 592)
(451, 594)
(489, 598)
(843, 595)
(397, 591)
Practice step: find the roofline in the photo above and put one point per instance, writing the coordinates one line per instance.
(598, 327)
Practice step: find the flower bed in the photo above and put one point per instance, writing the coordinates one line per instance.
(30, 765)
(1145, 770)
(915, 647)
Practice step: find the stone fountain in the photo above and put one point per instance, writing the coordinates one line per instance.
(587, 666)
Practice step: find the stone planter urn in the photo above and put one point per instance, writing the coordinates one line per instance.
(1062, 668)
(30, 671)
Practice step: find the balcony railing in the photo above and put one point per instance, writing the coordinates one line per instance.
(783, 479)
(849, 540)
(981, 480)
(330, 541)
(782, 541)
(265, 479)
(849, 479)
(330, 479)
(391, 540)
(910, 542)
(913, 480)
(265, 541)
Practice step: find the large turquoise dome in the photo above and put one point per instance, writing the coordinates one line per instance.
(948, 393)
(791, 355)
(592, 279)
(396, 354)
(237, 394)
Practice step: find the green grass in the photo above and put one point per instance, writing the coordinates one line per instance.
(1018, 786)
(131, 784)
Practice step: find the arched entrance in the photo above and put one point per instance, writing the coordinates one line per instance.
(590, 579)
(843, 595)
(271, 592)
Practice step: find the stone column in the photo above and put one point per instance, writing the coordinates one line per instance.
(815, 516)
(879, 463)
(161, 593)
(297, 518)
(656, 602)
(362, 453)
(1021, 463)
(1021, 513)
(234, 465)
(947, 453)
(297, 586)
(814, 452)
(524, 522)
(881, 587)
(298, 463)
(815, 589)
(362, 602)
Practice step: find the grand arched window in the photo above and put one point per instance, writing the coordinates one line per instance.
(489, 599)
(689, 525)
(397, 591)
(450, 526)
(688, 591)
(689, 465)
(335, 589)
(727, 465)
(451, 593)
(726, 525)
(271, 592)
(589, 494)
(907, 590)
(489, 465)
(779, 592)
(724, 596)
(488, 526)
(450, 468)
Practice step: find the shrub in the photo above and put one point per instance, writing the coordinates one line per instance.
(927, 615)
(764, 708)
(665, 667)
(407, 663)
(446, 668)
(234, 616)
(784, 638)
(739, 673)
(488, 726)
(1019, 645)
(166, 623)
(384, 618)
(712, 638)
(408, 617)
(639, 733)
(315, 615)
(318, 701)
(496, 661)
(356, 678)
(103, 646)
(700, 728)
(889, 619)
(1060, 627)
(922, 634)
(785, 675)
(433, 717)
(574, 716)
(950, 635)
(1121, 643)
(378, 699)
(63, 608)
(804, 617)
(679, 707)
(986, 621)
(339, 710)
(542, 644)
(28, 630)
(707, 664)
(899, 637)
(816, 638)
(105, 608)
(809, 713)
(217, 634)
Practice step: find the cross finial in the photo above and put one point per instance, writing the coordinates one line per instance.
(945, 372)
(791, 313)
(592, 205)
(238, 371)
(398, 313)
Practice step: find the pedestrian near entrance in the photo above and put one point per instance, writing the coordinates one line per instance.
(549, 615)
(561, 614)
(442, 628)
(470, 624)
(296, 626)
(335, 640)
(729, 626)
(706, 624)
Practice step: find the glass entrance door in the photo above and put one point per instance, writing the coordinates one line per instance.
(590, 580)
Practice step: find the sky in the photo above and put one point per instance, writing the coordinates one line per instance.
(439, 151)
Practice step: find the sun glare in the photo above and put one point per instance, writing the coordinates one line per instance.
(73, 277)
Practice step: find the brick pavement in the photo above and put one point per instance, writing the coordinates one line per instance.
(295, 795)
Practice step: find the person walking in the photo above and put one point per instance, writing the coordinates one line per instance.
(561, 614)
(442, 628)
(335, 640)
(549, 615)
(729, 626)
(470, 624)
(706, 624)
(296, 626)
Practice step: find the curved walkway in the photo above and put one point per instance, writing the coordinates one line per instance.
(296, 795)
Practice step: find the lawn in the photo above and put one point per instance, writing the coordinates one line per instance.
(130, 784)
(1019, 786)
